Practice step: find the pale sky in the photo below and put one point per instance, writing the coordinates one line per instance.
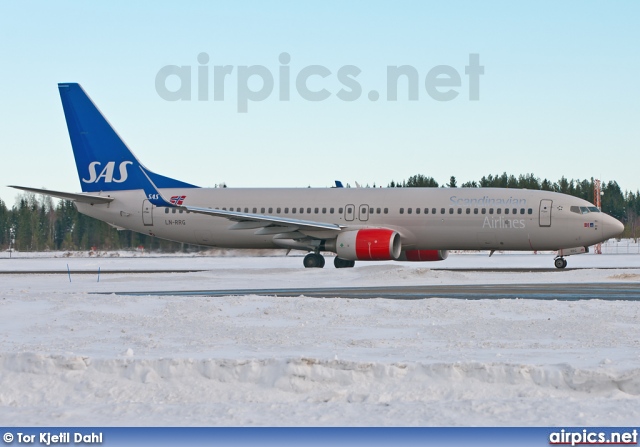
(560, 93)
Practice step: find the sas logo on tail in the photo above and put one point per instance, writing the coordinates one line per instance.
(177, 200)
(107, 172)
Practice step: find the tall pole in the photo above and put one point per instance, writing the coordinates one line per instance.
(12, 240)
(597, 201)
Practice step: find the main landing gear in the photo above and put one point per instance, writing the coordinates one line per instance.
(313, 261)
(340, 263)
(560, 262)
(316, 261)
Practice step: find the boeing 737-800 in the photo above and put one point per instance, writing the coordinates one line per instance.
(366, 224)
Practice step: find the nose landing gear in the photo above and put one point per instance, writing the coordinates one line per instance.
(560, 262)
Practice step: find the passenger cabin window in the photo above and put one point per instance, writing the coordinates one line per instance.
(378, 210)
(386, 210)
(433, 210)
(255, 210)
(246, 210)
(261, 210)
(441, 210)
(521, 210)
(409, 211)
(316, 210)
(530, 211)
(475, 211)
(490, 210)
(166, 210)
(324, 211)
(417, 210)
(459, 210)
(330, 210)
(484, 211)
(270, 210)
(499, 210)
(309, 210)
(401, 210)
(426, 210)
(450, 210)
(278, 210)
(468, 211)
(286, 210)
(506, 210)
(293, 210)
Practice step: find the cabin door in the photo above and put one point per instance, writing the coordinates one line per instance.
(545, 213)
(147, 213)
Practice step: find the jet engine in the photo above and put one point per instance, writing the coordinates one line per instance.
(423, 255)
(369, 244)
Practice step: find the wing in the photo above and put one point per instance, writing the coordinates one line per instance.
(287, 232)
(245, 221)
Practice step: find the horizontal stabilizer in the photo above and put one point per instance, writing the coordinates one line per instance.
(82, 198)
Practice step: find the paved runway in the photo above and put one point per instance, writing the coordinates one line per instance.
(562, 292)
(149, 271)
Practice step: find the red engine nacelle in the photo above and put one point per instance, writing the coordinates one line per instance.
(423, 255)
(369, 244)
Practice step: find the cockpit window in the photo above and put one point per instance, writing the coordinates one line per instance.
(584, 209)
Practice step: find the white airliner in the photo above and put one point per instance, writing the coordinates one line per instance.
(366, 224)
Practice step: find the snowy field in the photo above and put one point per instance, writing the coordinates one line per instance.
(69, 357)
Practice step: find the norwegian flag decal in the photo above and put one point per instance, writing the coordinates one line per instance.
(177, 200)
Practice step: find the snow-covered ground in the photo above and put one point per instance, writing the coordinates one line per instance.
(71, 357)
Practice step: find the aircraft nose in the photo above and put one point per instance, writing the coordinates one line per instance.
(612, 227)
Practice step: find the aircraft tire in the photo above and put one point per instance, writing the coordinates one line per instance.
(340, 263)
(560, 263)
(313, 260)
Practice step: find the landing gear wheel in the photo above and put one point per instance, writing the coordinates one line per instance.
(340, 263)
(313, 260)
(560, 263)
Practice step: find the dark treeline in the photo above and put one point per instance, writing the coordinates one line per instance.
(39, 225)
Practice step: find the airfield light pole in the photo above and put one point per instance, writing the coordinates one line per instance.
(597, 201)
(12, 240)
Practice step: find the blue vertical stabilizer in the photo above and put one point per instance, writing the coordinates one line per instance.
(103, 160)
